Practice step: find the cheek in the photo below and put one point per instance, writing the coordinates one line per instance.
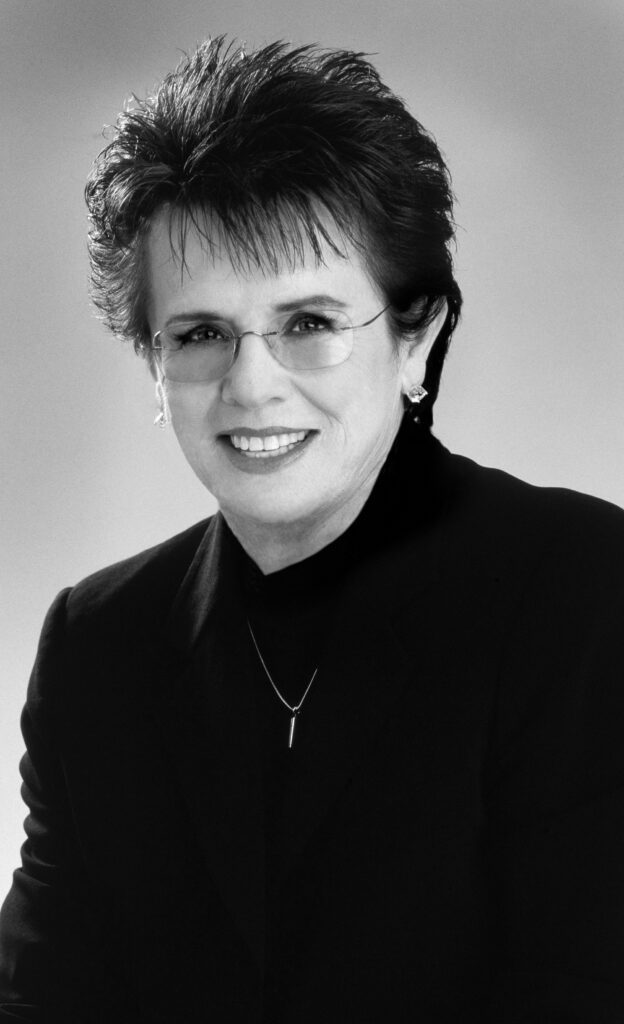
(376, 370)
(369, 379)
(191, 421)
(365, 398)
(190, 406)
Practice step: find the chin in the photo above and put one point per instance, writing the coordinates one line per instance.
(269, 512)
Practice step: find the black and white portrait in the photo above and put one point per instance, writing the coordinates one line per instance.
(313, 528)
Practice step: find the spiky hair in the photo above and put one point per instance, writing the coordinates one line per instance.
(270, 154)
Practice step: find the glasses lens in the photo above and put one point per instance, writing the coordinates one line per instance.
(311, 341)
(192, 352)
(302, 341)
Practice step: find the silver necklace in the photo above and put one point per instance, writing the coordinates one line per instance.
(294, 709)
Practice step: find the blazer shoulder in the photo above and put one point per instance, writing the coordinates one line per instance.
(137, 585)
(503, 518)
(110, 614)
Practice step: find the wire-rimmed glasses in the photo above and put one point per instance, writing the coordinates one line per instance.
(204, 350)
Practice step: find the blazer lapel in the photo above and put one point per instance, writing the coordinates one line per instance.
(208, 720)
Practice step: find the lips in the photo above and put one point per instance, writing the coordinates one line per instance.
(264, 446)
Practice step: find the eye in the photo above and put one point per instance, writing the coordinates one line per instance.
(310, 323)
(202, 334)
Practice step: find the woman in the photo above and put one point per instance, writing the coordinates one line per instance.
(351, 749)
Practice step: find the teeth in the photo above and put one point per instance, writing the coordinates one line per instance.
(267, 444)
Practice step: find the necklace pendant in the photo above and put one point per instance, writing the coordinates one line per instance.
(291, 734)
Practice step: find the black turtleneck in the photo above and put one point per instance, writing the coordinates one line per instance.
(293, 615)
(291, 610)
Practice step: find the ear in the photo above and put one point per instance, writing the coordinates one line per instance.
(415, 365)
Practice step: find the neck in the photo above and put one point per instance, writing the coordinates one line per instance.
(274, 546)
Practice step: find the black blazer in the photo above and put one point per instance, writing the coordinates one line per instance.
(453, 834)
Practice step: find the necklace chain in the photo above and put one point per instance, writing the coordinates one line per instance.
(294, 709)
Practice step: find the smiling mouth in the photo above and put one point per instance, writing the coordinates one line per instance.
(267, 447)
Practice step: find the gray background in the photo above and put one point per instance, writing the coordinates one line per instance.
(524, 97)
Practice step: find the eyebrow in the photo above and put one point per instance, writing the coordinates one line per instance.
(320, 301)
(291, 306)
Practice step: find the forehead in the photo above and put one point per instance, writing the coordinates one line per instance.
(187, 268)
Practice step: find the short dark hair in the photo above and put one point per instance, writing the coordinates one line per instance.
(270, 143)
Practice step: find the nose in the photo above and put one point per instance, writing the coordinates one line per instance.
(255, 377)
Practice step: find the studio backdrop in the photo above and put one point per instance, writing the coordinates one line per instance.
(524, 99)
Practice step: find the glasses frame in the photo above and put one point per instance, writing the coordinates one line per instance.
(237, 338)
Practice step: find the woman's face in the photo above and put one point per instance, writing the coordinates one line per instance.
(349, 413)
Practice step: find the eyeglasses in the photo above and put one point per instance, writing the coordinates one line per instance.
(188, 353)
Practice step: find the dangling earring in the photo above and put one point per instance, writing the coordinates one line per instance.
(416, 394)
(164, 416)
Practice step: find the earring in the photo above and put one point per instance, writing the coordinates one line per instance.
(416, 394)
(164, 416)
